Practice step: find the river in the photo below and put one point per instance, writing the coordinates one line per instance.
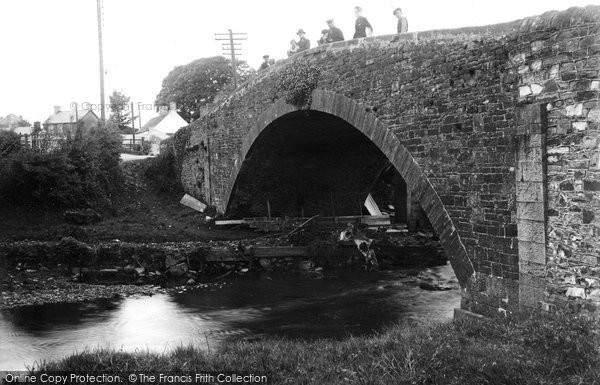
(337, 305)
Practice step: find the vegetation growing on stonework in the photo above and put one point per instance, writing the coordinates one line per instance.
(296, 82)
(181, 140)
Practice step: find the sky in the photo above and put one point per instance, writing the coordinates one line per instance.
(50, 47)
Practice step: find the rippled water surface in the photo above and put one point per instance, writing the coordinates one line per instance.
(335, 306)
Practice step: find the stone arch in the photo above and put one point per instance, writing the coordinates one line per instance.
(367, 123)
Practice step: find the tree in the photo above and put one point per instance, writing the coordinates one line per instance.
(11, 121)
(197, 83)
(120, 114)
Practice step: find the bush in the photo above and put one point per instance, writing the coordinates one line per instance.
(146, 147)
(162, 173)
(81, 172)
(10, 142)
(75, 253)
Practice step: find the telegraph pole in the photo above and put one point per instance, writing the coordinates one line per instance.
(101, 54)
(133, 123)
(232, 46)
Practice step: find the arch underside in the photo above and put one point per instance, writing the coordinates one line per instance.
(353, 145)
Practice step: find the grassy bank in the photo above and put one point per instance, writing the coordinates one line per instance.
(557, 350)
(144, 211)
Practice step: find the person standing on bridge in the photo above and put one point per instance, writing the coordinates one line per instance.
(293, 48)
(402, 22)
(362, 27)
(266, 63)
(335, 34)
(303, 44)
(324, 37)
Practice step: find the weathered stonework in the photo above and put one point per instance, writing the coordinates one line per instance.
(495, 131)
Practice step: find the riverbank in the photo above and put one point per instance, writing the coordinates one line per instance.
(23, 288)
(547, 350)
(141, 213)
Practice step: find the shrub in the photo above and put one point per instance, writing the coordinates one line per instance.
(146, 147)
(81, 172)
(10, 142)
(162, 173)
(75, 253)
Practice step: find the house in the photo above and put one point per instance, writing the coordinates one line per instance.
(162, 126)
(63, 124)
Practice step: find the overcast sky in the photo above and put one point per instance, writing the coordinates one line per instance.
(50, 48)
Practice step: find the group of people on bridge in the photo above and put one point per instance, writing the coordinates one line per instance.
(362, 28)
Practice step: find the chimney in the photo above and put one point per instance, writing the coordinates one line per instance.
(56, 109)
(163, 110)
(173, 106)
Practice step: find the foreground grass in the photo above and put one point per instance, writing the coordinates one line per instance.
(549, 350)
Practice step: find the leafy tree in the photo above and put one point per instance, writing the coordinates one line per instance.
(12, 121)
(197, 83)
(120, 114)
(10, 142)
(37, 128)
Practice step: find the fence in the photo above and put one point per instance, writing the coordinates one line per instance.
(41, 142)
(136, 144)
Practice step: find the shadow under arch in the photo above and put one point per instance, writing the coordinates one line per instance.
(386, 141)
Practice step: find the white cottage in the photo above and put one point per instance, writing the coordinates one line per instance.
(162, 126)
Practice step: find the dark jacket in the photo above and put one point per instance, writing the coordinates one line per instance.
(361, 26)
(335, 34)
(303, 44)
(402, 25)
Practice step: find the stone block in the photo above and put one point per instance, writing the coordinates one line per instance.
(532, 231)
(580, 126)
(524, 91)
(594, 115)
(576, 292)
(574, 110)
(532, 252)
(530, 191)
(533, 269)
(530, 171)
(534, 211)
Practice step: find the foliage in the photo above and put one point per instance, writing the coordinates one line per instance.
(12, 120)
(296, 82)
(162, 173)
(37, 128)
(181, 140)
(10, 142)
(146, 147)
(120, 112)
(197, 83)
(74, 253)
(469, 352)
(79, 172)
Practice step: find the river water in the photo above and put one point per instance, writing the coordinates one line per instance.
(334, 306)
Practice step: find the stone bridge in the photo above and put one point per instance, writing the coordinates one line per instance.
(493, 131)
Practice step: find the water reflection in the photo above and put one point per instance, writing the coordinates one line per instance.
(250, 307)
